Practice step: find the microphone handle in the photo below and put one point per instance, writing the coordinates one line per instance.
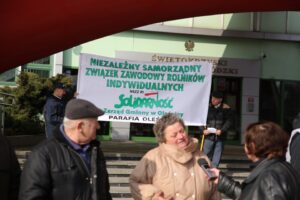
(211, 175)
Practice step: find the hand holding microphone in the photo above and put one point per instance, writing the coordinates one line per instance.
(204, 165)
(217, 173)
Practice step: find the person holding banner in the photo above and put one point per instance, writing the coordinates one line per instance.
(170, 171)
(71, 165)
(219, 120)
(54, 109)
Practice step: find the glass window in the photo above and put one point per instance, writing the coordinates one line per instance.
(104, 128)
(44, 61)
(279, 102)
(269, 108)
(8, 76)
(291, 103)
(138, 129)
(40, 72)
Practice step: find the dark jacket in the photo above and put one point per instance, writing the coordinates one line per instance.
(55, 171)
(293, 155)
(9, 171)
(270, 179)
(54, 112)
(219, 118)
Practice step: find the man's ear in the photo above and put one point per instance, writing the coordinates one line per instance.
(80, 125)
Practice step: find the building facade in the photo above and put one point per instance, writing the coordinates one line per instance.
(255, 58)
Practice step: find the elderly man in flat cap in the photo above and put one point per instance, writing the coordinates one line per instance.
(71, 165)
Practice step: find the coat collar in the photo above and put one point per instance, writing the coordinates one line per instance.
(264, 164)
(180, 155)
(58, 135)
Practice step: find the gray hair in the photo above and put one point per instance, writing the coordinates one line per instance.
(165, 121)
(72, 123)
(69, 123)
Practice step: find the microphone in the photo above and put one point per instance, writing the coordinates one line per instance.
(205, 167)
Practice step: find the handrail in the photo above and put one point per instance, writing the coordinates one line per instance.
(7, 94)
(5, 104)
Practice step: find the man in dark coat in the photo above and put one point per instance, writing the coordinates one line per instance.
(54, 109)
(219, 120)
(9, 171)
(71, 165)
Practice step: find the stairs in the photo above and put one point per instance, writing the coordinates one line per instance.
(119, 168)
(119, 165)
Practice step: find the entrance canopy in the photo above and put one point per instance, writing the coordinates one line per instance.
(33, 29)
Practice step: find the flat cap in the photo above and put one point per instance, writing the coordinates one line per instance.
(59, 86)
(80, 109)
(217, 94)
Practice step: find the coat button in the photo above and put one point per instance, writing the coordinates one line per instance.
(193, 196)
(175, 174)
(177, 194)
(192, 174)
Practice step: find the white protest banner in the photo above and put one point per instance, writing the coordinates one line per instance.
(141, 92)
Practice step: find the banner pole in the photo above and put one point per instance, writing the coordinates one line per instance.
(202, 140)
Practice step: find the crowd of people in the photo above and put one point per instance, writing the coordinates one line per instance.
(70, 164)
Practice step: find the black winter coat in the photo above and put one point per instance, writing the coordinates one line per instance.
(55, 171)
(219, 118)
(270, 180)
(54, 112)
(9, 171)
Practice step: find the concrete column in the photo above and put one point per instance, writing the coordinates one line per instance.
(250, 103)
(57, 63)
(120, 131)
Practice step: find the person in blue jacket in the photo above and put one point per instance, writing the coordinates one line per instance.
(54, 109)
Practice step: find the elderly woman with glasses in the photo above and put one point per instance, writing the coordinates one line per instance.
(170, 171)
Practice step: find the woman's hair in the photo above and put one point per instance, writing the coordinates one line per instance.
(266, 139)
(165, 121)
